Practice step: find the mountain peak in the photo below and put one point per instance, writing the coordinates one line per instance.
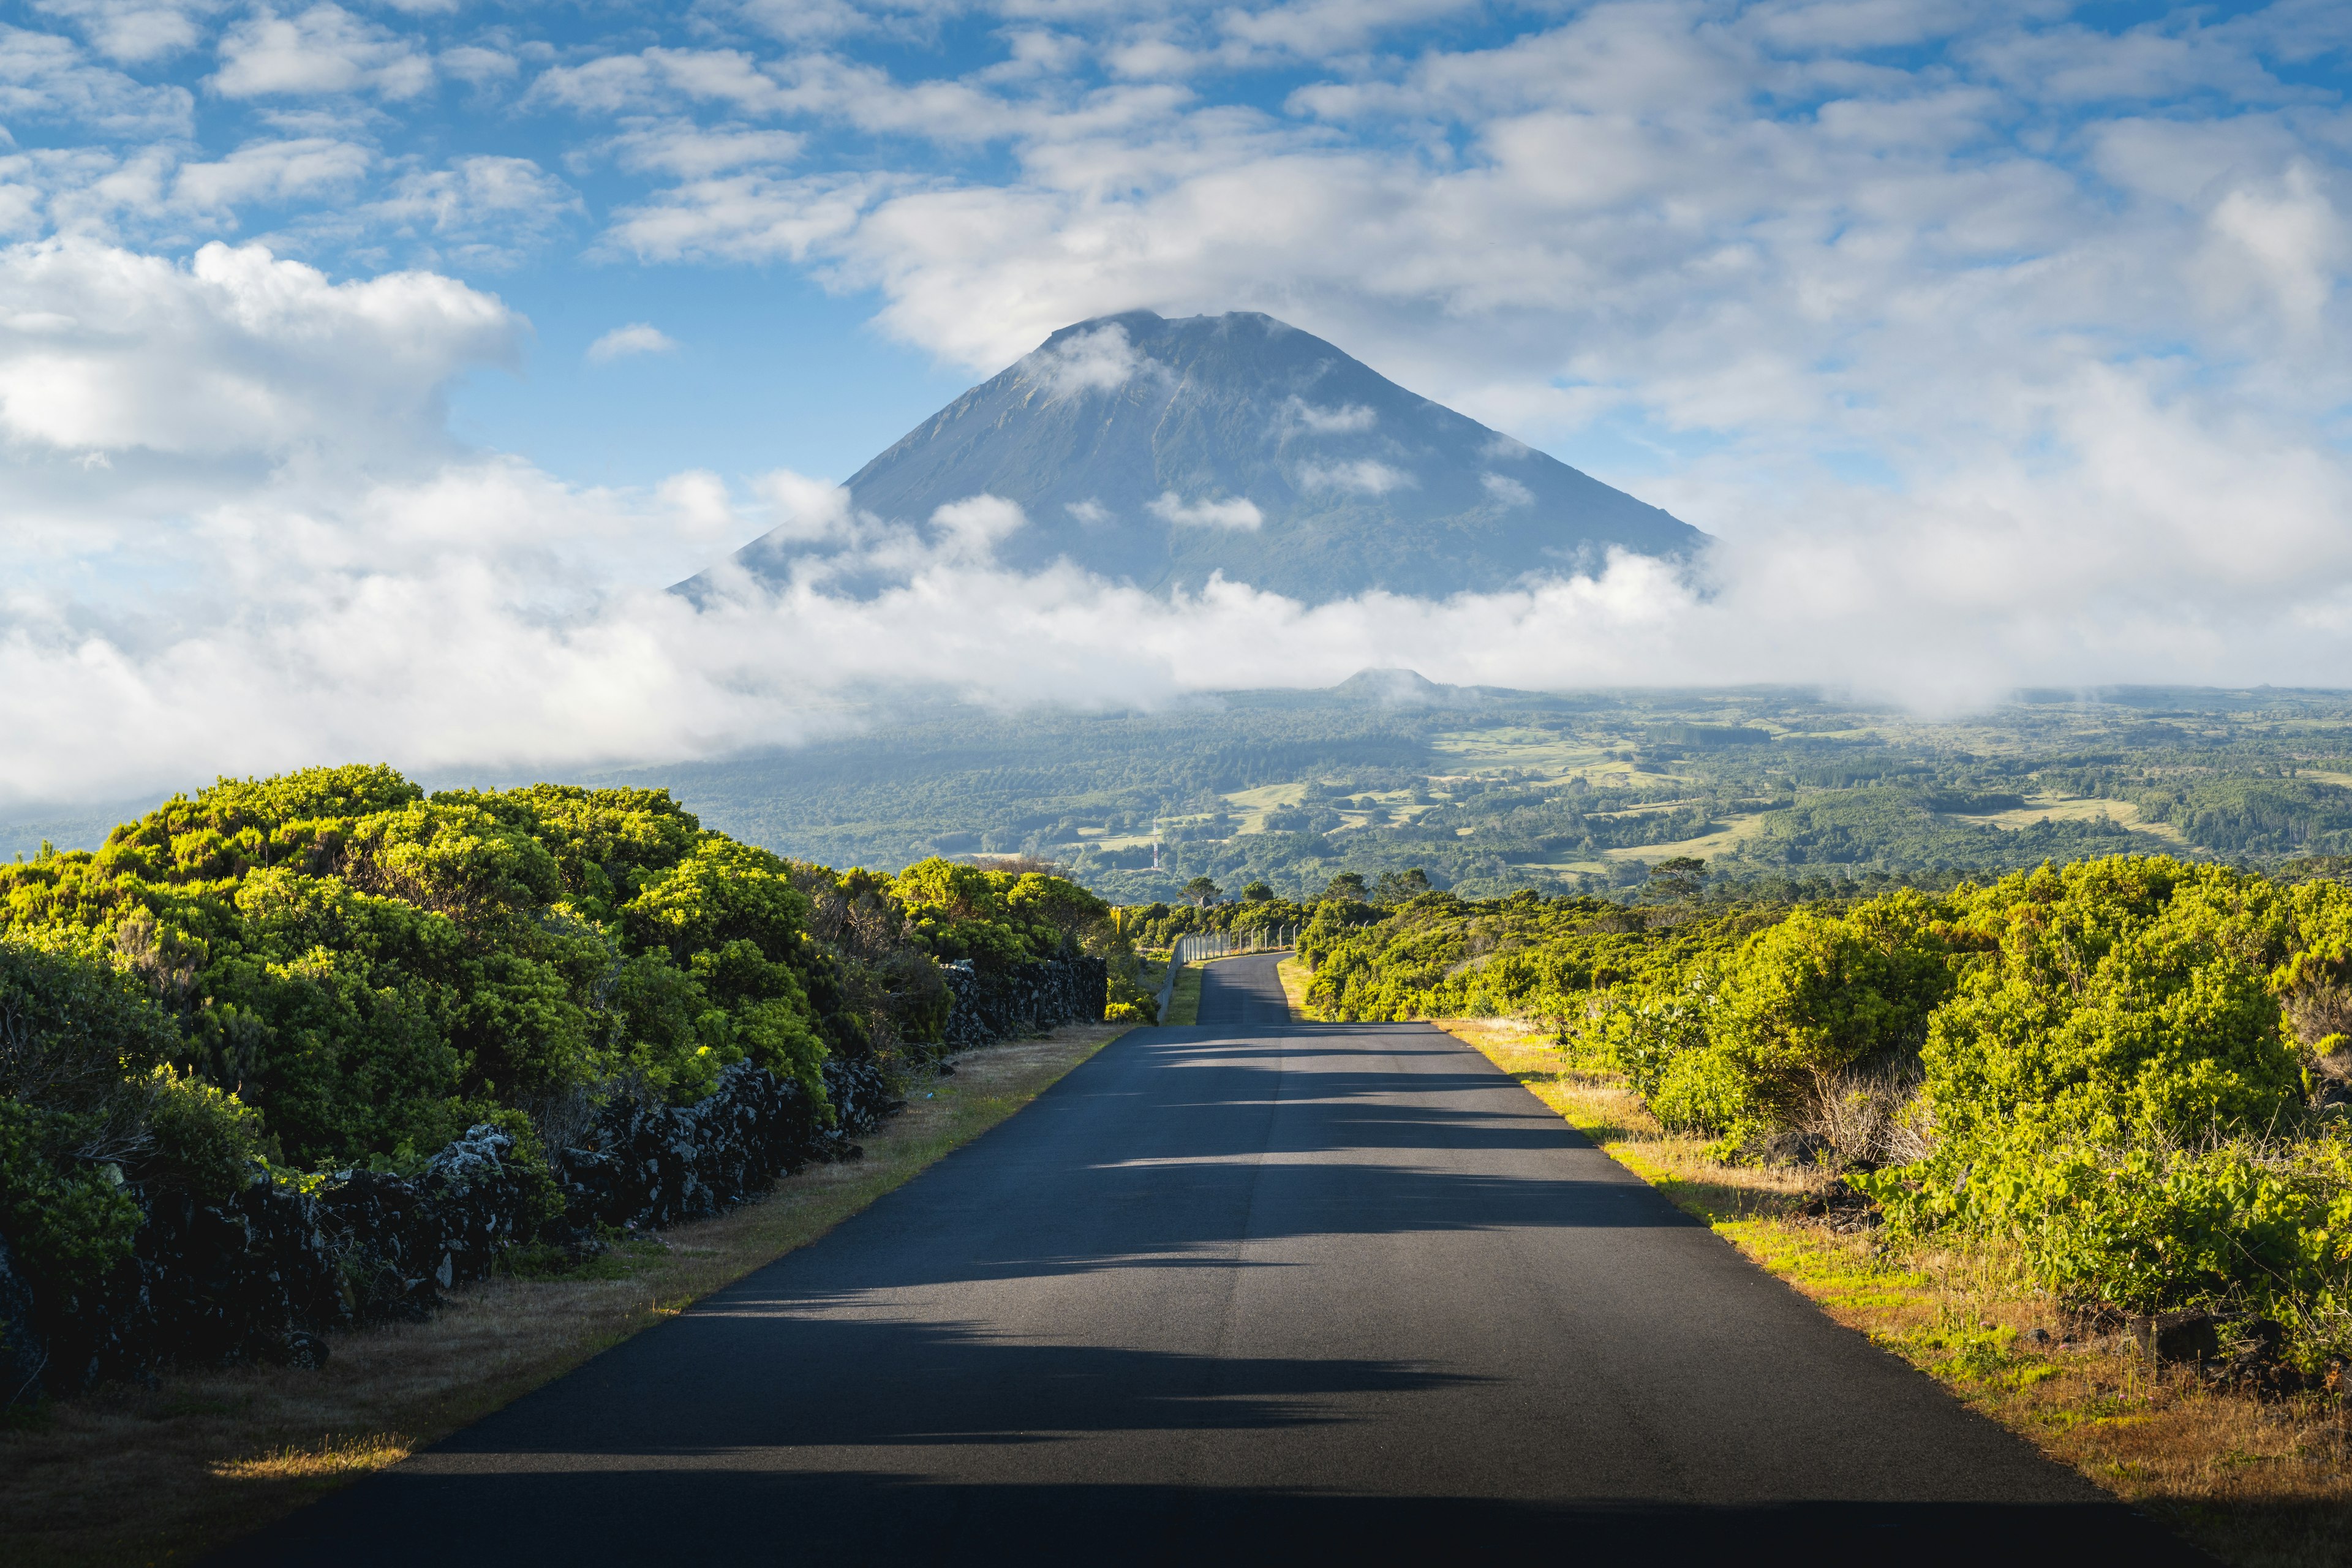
(1400, 689)
(1161, 451)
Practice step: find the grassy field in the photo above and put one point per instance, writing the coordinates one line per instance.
(2076, 808)
(167, 1474)
(2263, 1484)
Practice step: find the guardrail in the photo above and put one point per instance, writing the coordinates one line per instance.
(1200, 946)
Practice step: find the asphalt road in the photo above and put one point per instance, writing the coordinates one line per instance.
(1256, 1289)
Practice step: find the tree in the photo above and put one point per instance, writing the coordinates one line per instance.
(1396, 887)
(1347, 884)
(1256, 893)
(1202, 892)
(1680, 878)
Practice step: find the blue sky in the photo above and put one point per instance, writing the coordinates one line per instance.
(2004, 341)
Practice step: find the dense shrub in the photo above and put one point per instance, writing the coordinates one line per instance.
(293, 981)
(2114, 1063)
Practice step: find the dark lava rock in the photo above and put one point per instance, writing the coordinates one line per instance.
(1022, 999)
(1784, 1149)
(22, 1354)
(2171, 1336)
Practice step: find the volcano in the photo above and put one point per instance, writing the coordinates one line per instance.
(1160, 452)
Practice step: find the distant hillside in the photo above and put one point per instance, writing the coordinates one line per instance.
(1159, 451)
(1488, 790)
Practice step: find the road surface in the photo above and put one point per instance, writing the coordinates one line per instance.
(1249, 1290)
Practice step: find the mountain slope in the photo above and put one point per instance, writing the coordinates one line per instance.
(1159, 451)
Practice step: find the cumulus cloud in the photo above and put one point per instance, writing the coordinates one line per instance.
(1091, 512)
(134, 31)
(237, 353)
(1364, 477)
(1240, 512)
(681, 147)
(1100, 361)
(483, 211)
(324, 49)
(1348, 419)
(637, 338)
(44, 77)
(1507, 490)
(752, 216)
(291, 170)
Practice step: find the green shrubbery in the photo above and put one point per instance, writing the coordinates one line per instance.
(330, 969)
(91, 1103)
(2112, 1063)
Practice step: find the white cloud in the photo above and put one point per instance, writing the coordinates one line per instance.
(742, 218)
(485, 211)
(660, 79)
(1091, 512)
(637, 338)
(479, 67)
(970, 530)
(276, 172)
(1239, 512)
(324, 49)
(680, 147)
(45, 77)
(136, 31)
(1362, 477)
(1509, 491)
(236, 354)
(1100, 361)
(1348, 419)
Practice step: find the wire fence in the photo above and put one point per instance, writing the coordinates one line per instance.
(1199, 947)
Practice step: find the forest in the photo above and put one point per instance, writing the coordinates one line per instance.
(2135, 1070)
(1487, 791)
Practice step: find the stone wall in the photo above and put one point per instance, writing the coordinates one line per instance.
(262, 1276)
(1024, 999)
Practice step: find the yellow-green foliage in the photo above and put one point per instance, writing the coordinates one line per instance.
(1438, 956)
(370, 969)
(1000, 917)
(2106, 1059)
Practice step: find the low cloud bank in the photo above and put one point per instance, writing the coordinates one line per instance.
(491, 617)
(240, 539)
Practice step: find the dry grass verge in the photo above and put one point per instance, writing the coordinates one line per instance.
(2264, 1484)
(134, 1475)
(1296, 974)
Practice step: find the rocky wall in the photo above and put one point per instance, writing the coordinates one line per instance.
(261, 1276)
(998, 1005)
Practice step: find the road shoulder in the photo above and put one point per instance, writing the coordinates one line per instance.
(165, 1473)
(2254, 1482)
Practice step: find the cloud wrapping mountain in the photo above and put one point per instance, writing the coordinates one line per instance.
(1995, 343)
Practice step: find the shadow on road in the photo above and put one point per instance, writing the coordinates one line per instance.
(864, 1518)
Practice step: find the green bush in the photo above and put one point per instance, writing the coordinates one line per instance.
(86, 1098)
(2114, 1057)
